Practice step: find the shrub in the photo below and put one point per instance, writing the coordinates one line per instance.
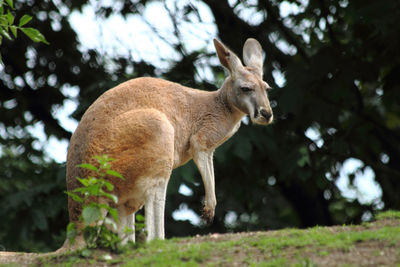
(99, 230)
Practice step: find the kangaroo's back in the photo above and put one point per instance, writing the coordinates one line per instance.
(178, 103)
(168, 97)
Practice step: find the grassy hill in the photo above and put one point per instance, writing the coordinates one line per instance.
(374, 243)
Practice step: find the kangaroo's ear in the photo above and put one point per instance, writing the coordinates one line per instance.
(253, 55)
(227, 58)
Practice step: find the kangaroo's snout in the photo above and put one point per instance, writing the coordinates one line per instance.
(267, 115)
(262, 116)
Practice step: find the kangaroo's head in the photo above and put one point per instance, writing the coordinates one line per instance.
(245, 87)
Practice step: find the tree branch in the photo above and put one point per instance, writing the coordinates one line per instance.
(276, 19)
(324, 14)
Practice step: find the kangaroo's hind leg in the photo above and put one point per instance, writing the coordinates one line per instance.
(125, 225)
(145, 156)
(155, 209)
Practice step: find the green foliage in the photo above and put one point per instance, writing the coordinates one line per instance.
(99, 229)
(139, 223)
(7, 24)
(33, 212)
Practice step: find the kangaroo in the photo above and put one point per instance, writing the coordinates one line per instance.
(152, 126)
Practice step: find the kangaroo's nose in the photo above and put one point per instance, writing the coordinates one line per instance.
(267, 115)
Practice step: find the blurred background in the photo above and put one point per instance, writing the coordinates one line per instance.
(332, 155)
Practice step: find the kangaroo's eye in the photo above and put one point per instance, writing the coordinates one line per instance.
(246, 89)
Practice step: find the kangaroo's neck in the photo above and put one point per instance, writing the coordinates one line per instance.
(223, 99)
(217, 119)
(209, 121)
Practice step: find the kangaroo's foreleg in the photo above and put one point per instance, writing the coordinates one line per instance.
(204, 162)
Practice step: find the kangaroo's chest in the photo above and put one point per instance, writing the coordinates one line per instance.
(209, 137)
(229, 133)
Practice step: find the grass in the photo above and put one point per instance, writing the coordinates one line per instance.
(354, 245)
(390, 214)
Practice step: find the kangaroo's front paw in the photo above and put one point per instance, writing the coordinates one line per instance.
(208, 215)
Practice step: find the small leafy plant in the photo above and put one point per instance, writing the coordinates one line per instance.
(98, 227)
(140, 229)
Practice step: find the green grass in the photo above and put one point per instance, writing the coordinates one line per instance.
(288, 247)
(169, 253)
(390, 214)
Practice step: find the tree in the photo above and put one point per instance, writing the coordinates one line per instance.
(341, 68)
(33, 206)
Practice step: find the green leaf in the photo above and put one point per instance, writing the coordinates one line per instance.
(10, 18)
(88, 166)
(86, 253)
(114, 214)
(75, 197)
(71, 232)
(10, 3)
(94, 181)
(81, 190)
(14, 31)
(5, 33)
(115, 173)
(91, 214)
(139, 218)
(83, 181)
(103, 159)
(110, 196)
(34, 35)
(111, 222)
(108, 185)
(128, 230)
(93, 190)
(304, 157)
(3, 21)
(24, 20)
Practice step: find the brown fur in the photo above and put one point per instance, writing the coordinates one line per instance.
(124, 124)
